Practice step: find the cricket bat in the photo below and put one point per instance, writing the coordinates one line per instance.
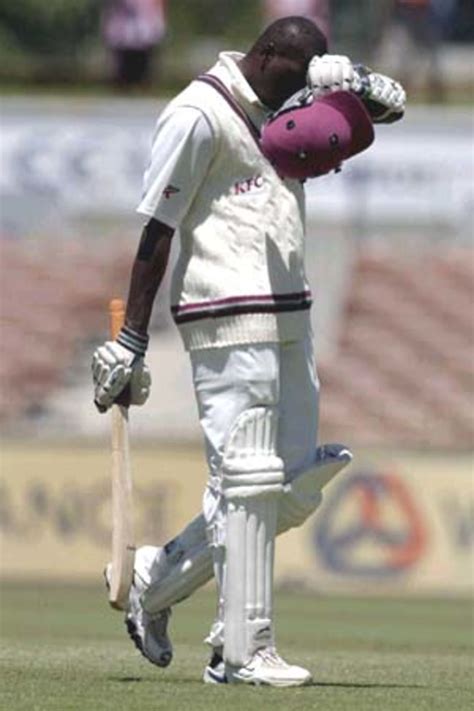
(123, 541)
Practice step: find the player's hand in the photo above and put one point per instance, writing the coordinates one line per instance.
(115, 368)
(331, 72)
(384, 97)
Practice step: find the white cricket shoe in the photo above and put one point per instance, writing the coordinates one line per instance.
(267, 667)
(148, 633)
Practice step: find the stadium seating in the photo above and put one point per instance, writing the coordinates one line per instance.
(53, 298)
(401, 371)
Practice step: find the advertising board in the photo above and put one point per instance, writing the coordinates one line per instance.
(398, 524)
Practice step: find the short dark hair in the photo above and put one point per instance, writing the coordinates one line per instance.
(289, 33)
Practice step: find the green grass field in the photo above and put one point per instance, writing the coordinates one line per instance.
(62, 648)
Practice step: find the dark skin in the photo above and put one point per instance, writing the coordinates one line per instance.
(147, 274)
(275, 70)
(275, 77)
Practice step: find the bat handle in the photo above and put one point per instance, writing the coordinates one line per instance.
(116, 316)
(117, 319)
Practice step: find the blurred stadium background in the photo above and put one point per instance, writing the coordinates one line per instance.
(389, 257)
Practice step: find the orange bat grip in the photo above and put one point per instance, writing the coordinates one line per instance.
(116, 316)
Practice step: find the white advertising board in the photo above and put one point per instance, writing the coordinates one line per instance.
(90, 160)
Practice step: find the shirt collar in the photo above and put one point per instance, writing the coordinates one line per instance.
(227, 70)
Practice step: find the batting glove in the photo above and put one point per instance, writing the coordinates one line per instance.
(118, 364)
(384, 97)
(331, 72)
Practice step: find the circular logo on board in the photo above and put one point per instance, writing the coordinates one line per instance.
(370, 526)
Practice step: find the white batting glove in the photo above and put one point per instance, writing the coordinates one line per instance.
(388, 94)
(331, 72)
(114, 366)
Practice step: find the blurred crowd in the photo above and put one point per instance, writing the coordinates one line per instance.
(411, 41)
(410, 36)
(133, 31)
(162, 44)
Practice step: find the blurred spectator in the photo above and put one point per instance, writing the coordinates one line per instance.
(133, 30)
(411, 43)
(316, 10)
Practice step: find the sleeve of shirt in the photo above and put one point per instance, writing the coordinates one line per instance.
(183, 147)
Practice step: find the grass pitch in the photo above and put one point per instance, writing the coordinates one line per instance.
(63, 648)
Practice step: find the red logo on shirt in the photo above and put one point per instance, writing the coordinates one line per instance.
(170, 190)
(245, 186)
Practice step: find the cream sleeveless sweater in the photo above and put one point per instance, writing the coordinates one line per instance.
(240, 274)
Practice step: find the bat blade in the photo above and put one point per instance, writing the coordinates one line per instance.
(123, 540)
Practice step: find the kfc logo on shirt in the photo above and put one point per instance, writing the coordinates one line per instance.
(245, 186)
(169, 191)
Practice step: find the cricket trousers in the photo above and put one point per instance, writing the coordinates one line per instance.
(230, 380)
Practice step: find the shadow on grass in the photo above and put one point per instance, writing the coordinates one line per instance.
(368, 685)
(314, 684)
(170, 680)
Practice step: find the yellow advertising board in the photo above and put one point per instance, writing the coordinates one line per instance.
(391, 523)
(55, 515)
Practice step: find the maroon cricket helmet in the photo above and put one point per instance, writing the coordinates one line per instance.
(312, 140)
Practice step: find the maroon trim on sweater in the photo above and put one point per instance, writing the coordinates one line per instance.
(220, 87)
(234, 305)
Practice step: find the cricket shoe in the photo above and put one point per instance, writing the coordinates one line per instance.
(214, 673)
(149, 633)
(267, 668)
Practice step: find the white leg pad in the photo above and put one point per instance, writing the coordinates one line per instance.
(252, 484)
(302, 496)
(188, 564)
(181, 567)
(251, 531)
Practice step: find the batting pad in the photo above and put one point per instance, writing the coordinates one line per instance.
(251, 527)
(180, 580)
(192, 566)
(302, 496)
(183, 565)
(250, 466)
(252, 482)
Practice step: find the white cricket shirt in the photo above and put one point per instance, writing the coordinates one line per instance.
(239, 276)
(180, 158)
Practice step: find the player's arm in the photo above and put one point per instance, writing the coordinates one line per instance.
(148, 271)
(181, 153)
(119, 371)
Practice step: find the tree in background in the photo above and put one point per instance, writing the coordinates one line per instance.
(45, 40)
